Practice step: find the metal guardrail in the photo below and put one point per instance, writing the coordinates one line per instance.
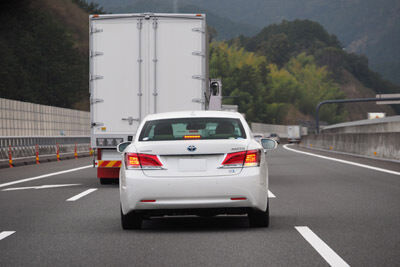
(35, 148)
(23, 141)
(338, 101)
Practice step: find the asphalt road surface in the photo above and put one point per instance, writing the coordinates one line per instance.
(324, 213)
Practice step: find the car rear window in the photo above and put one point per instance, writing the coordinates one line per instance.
(192, 128)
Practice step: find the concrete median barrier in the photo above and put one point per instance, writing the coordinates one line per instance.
(374, 145)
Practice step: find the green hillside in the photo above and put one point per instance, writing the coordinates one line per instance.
(282, 44)
(41, 62)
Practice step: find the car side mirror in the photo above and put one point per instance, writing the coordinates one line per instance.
(268, 144)
(121, 146)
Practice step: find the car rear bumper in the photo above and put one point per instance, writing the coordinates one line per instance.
(141, 193)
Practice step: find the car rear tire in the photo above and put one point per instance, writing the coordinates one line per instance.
(131, 220)
(259, 218)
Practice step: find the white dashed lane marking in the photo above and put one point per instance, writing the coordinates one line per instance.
(271, 195)
(84, 193)
(321, 247)
(5, 234)
(44, 176)
(39, 187)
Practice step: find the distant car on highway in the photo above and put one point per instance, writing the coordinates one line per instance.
(275, 137)
(195, 162)
(258, 136)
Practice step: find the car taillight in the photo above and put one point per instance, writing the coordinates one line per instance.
(248, 158)
(142, 161)
(132, 161)
(253, 158)
(234, 159)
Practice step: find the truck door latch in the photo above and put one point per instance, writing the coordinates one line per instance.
(130, 120)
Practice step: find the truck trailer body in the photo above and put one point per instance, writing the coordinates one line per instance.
(294, 135)
(142, 64)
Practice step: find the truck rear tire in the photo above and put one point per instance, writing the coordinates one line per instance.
(105, 181)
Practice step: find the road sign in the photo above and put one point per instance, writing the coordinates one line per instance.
(387, 96)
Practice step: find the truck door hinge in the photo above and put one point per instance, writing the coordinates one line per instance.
(130, 120)
(96, 53)
(96, 77)
(198, 30)
(198, 77)
(95, 30)
(198, 53)
(96, 100)
(155, 23)
(139, 24)
(94, 124)
(198, 100)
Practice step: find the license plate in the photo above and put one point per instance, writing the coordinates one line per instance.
(192, 165)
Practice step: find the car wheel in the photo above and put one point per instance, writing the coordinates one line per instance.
(131, 220)
(259, 218)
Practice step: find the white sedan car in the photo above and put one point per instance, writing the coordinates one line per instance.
(195, 162)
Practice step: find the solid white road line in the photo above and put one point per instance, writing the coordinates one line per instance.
(44, 176)
(343, 161)
(39, 187)
(321, 247)
(271, 195)
(84, 193)
(4, 234)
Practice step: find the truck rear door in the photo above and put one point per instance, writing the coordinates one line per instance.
(115, 76)
(177, 74)
(143, 64)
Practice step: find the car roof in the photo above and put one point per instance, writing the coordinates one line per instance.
(194, 114)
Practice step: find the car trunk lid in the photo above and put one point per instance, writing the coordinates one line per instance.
(192, 158)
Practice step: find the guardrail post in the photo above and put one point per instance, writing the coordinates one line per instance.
(10, 162)
(76, 151)
(58, 152)
(37, 154)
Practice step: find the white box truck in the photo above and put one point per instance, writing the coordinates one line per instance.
(142, 64)
(376, 115)
(293, 132)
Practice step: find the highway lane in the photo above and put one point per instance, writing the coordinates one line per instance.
(355, 211)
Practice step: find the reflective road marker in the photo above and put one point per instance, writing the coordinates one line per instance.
(84, 193)
(321, 247)
(4, 234)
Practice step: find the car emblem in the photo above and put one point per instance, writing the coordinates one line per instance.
(191, 148)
